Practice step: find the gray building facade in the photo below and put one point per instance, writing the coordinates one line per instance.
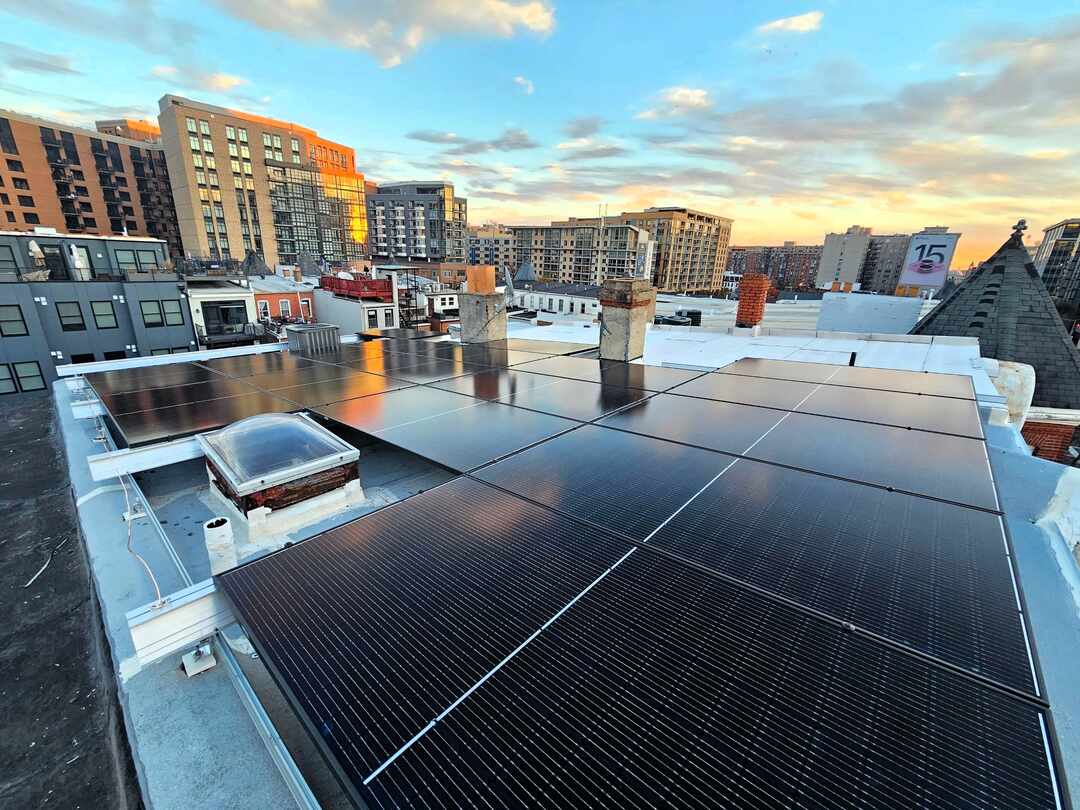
(1057, 261)
(68, 299)
(417, 221)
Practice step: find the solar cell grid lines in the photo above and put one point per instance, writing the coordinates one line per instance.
(413, 605)
(164, 397)
(157, 376)
(162, 424)
(246, 365)
(494, 383)
(885, 561)
(414, 369)
(628, 375)
(664, 685)
(325, 392)
(380, 412)
(782, 394)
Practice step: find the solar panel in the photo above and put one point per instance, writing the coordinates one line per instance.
(357, 384)
(942, 414)
(575, 399)
(665, 686)
(483, 355)
(609, 372)
(413, 369)
(141, 378)
(915, 382)
(722, 426)
(246, 365)
(784, 394)
(494, 383)
(926, 574)
(954, 468)
(150, 398)
(289, 378)
(624, 482)
(465, 439)
(547, 346)
(383, 411)
(375, 627)
(399, 333)
(162, 424)
(781, 369)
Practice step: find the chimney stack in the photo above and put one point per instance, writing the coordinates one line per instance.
(483, 311)
(627, 305)
(753, 289)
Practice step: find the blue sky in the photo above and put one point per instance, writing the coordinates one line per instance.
(794, 119)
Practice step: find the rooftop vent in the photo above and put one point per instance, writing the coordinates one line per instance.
(313, 337)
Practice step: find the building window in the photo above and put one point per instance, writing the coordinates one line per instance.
(267, 141)
(82, 358)
(70, 314)
(204, 127)
(7, 260)
(20, 182)
(197, 161)
(11, 321)
(191, 125)
(148, 260)
(15, 165)
(156, 352)
(104, 314)
(115, 355)
(25, 201)
(230, 133)
(243, 135)
(277, 141)
(285, 307)
(174, 314)
(305, 308)
(7, 382)
(151, 314)
(207, 146)
(125, 260)
(193, 142)
(388, 317)
(373, 319)
(264, 310)
(29, 376)
(10, 216)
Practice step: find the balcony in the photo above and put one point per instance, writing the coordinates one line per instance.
(365, 289)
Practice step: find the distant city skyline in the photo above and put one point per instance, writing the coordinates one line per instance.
(795, 121)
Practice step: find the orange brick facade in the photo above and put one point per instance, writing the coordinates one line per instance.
(271, 303)
(1050, 440)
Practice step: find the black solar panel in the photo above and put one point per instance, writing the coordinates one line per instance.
(665, 686)
(782, 369)
(575, 399)
(495, 383)
(915, 382)
(950, 467)
(383, 411)
(546, 346)
(629, 375)
(289, 378)
(413, 369)
(376, 627)
(357, 384)
(721, 426)
(138, 379)
(399, 333)
(150, 398)
(245, 365)
(162, 424)
(465, 439)
(958, 416)
(784, 394)
(927, 574)
(618, 480)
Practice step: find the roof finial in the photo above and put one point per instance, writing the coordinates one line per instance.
(1020, 227)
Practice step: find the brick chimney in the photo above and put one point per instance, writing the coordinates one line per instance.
(753, 290)
(627, 305)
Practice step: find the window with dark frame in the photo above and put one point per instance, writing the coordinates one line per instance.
(104, 314)
(88, 357)
(148, 260)
(157, 352)
(151, 314)
(7, 260)
(125, 260)
(116, 354)
(174, 313)
(29, 376)
(7, 381)
(71, 317)
(11, 321)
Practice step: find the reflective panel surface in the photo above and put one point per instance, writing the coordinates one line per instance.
(783, 394)
(782, 369)
(162, 424)
(915, 382)
(495, 383)
(609, 372)
(379, 412)
(150, 398)
(245, 365)
(357, 384)
(413, 369)
(137, 379)
(943, 414)
(575, 399)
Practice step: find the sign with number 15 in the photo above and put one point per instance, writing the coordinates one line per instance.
(928, 259)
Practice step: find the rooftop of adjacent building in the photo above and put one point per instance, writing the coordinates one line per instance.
(180, 752)
(141, 130)
(576, 290)
(77, 130)
(280, 284)
(170, 100)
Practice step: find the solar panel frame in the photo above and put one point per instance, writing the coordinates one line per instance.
(413, 369)
(327, 392)
(665, 685)
(575, 399)
(141, 378)
(743, 390)
(956, 416)
(149, 399)
(378, 412)
(178, 421)
(494, 383)
(610, 372)
(248, 365)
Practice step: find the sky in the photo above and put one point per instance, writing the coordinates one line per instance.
(793, 119)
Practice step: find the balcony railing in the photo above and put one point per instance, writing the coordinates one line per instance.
(25, 273)
(363, 288)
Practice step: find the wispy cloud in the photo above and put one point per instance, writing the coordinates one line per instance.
(189, 77)
(677, 101)
(29, 60)
(133, 22)
(392, 30)
(583, 127)
(524, 84)
(800, 24)
(512, 139)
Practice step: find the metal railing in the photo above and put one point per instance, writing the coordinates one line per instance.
(234, 335)
(366, 288)
(27, 273)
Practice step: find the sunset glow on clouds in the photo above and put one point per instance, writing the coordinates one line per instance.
(794, 121)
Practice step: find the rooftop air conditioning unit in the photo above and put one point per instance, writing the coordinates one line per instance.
(313, 337)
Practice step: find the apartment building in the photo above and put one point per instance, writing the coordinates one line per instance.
(790, 266)
(130, 128)
(417, 222)
(883, 262)
(583, 251)
(842, 257)
(1057, 260)
(244, 182)
(80, 181)
(491, 244)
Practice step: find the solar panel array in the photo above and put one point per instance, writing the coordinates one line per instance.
(776, 585)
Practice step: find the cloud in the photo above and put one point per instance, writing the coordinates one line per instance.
(28, 60)
(431, 136)
(512, 139)
(73, 110)
(132, 22)
(195, 79)
(524, 84)
(584, 126)
(801, 24)
(596, 152)
(392, 30)
(678, 101)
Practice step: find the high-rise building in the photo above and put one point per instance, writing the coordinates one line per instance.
(244, 182)
(583, 251)
(130, 128)
(79, 181)
(1057, 260)
(789, 266)
(691, 250)
(491, 244)
(417, 222)
(883, 262)
(842, 257)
